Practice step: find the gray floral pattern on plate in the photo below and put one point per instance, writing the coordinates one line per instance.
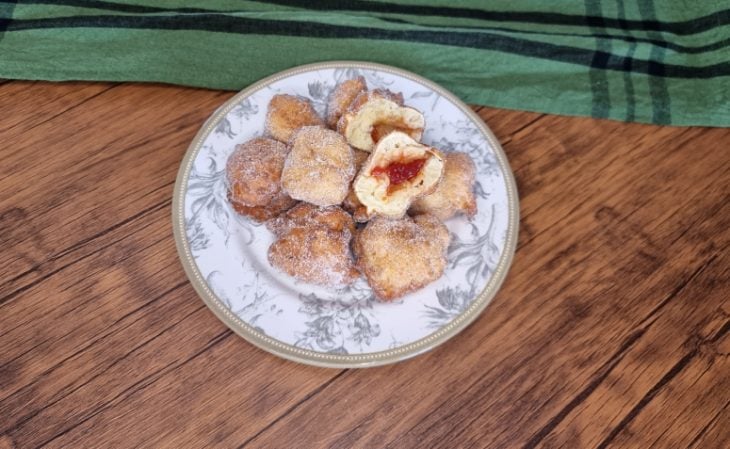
(230, 251)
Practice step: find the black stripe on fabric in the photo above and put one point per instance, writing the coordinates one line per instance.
(143, 9)
(6, 14)
(679, 48)
(686, 27)
(486, 41)
(112, 6)
(660, 101)
(691, 26)
(628, 81)
(600, 98)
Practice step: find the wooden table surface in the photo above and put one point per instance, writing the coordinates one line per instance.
(611, 331)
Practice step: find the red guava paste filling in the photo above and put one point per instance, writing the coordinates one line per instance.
(400, 172)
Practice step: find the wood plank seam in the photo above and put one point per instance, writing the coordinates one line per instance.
(668, 376)
(707, 426)
(65, 110)
(309, 396)
(561, 220)
(345, 441)
(602, 373)
(153, 208)
(608, 367)
(682, 284)
(542, 205)
(142, 143)
(620, 219)
(614, 161)
(479, 380)
(669, 427)
(123, 357)
(506, 144)
(110, 330)
(5, 299)
(89, 255)
(508, 138)
(698, 219)
(142, 384)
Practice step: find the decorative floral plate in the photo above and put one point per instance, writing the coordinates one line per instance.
(225, 255)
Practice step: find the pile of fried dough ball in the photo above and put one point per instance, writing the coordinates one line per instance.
(354, 194)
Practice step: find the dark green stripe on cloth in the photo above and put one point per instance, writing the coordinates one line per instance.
(604, 59)
(657, 87)
(489, 41)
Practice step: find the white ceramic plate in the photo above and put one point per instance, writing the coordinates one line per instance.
(225, 258)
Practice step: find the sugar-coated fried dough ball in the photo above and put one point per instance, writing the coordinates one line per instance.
(400, 256)
(253, 171)
(280, 203)
(319, 167)
(341, 98)
(455, 192)
(313, 245)
(287, 113)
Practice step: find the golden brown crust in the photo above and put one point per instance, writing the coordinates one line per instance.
(319, 167)
(313, 245)
(280, 203)
(253, 171)
(455, 192)
(400, 256)
(436, 231)
(305, 214)
(341, 98)
(361, 215)
(288, 113)
(359, 157)
(351, 203)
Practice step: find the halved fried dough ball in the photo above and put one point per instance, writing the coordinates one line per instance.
(287, 113)
(400, 256)
(455, 193)
(341, 98)
(399, 171)
(375, 114)
(319, 167)
(253, 171)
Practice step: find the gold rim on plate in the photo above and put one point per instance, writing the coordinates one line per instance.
(306, 356)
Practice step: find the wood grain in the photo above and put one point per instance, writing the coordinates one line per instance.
(611, 330)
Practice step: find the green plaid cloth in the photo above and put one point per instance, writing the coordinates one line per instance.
(654, 61)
